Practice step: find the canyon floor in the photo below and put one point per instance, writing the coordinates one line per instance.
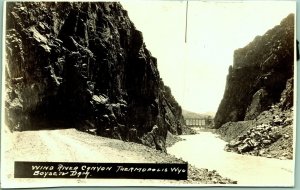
(71, 145)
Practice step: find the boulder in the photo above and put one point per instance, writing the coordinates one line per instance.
(277, 120)
(266, 142)
(254, 143)
(234, 143)
(286, 136)
(244, 148)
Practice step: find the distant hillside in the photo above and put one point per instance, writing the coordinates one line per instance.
(189, 114)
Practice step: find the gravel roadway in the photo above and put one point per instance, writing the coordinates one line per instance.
(71, 145)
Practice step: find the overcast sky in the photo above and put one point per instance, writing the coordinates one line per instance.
(196, 71)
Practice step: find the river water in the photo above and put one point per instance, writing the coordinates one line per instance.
(205, 150)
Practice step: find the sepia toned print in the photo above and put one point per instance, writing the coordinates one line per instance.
(148, 93)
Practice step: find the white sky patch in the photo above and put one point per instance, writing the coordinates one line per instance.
(196, 71)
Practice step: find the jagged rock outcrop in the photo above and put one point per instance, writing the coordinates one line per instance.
(84, 65)
(260, 74)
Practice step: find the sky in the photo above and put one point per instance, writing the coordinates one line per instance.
(196, 70)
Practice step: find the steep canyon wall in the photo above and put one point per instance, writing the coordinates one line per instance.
(261, 76)
(84, 65)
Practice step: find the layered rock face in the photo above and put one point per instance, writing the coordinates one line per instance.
(261, 76)
(84, 65)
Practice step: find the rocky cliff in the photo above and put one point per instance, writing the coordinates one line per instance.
(261, 76)
(84, 65)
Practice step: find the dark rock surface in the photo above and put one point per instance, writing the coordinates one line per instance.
(259, 76)
(84, 65)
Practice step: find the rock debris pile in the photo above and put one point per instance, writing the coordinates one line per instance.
(259, 137)
(272, 138)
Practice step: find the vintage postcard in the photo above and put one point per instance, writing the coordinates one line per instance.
(148, 93)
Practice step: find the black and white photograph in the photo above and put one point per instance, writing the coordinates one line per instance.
(148, 93)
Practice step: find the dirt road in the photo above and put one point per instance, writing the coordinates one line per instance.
(70, 145)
